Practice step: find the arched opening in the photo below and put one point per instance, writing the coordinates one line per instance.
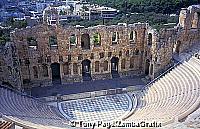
(97, 39)
(114, 67)
(35, 72)
(177, 48)
(45, 72)
(147, 67)
(105, 65)
(55, 68)
(86, 70)
(72, 40)
(123, 64)
(132, 37)
(135, 36)
(195, 20)
(151, 69)
(136, 52)
(131, 62)
(96, 66)
(32, 42)
(85, 41)
(149, 39)
(53, 42)
(75, 68)
(66, 69)
(115, 37)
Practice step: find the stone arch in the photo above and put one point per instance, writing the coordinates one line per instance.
(72, 40)
(97, 39)
(115, 37)
(66, 69)
(136, 36)
(10, 70)
(96, 64)
(151, 69)
(45, 72)
(55, 68)
(147, 65)
(150, 39)
(86, 70)
(131, 36)
(32, 42)
(105, 65)
(136, 51)
(75, 68)
(53, 42)
(35, 72)
(114, 66)
(85, 41)
(132, 62)
(123, 63)
(196, 19)
(177, 47)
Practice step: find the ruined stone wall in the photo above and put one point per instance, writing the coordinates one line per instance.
(9, 66)
(188, 27)
(137, 49)
(129, 52)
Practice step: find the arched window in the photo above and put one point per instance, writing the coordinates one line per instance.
(132, 62)
(97, 39)
(66, 69)
(96, 66)
(196, 19)
(85, 41)
(53, 42)
(45, 72)
(132, 37)
(135, 36)
(105, 65)
(48, 59)
(75, 68)
(115, 37)
(72, 40)
(147, 67)
(136, 52)
(177, 47)
(10, 70)
(120, 53)
(151, 69)
(35, 72)
(123, 64)
(32, 42)
(149, 39)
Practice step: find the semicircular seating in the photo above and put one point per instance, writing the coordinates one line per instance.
(28, 111)
(174, 96)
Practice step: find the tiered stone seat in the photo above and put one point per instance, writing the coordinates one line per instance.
(22, 108)
(5, 125)
(173, 96)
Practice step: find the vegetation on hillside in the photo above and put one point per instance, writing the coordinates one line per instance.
(155, 12)
(143, 6)
(157, 20)
(11, 24)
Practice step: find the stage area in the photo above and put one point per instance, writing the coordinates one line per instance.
(103, 108)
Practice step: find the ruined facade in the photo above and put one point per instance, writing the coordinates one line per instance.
(55, 54)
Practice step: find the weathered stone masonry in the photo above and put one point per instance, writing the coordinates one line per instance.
(55, 54)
